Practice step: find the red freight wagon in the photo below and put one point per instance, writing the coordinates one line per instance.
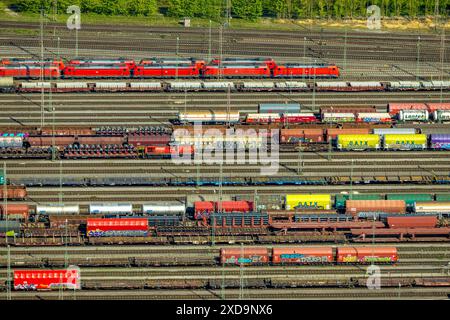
(166, 71)
(14, 211)
(228, 71)
(319, 71)
(47, 279)
(302, 255)
(96, 71)
(394, 108)
(299, 118)
(203, 208)
(246, 256)
(19, 193)
(32, 71)
(304, 135)
(412, 222)
(438, 106)
(366, 254)
(117, 227)
(137, 139)
(234, 206)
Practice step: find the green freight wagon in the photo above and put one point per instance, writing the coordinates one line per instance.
(443, 197)
(340, 199)
(410, 198)
(2, 177)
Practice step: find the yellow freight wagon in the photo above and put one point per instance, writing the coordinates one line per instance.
(308, 201)
(358, 141)
(405, 141)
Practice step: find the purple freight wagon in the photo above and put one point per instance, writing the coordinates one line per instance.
(440, 141)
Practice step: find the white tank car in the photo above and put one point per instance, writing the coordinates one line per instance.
(384, 131)
(162, 207)
(111, 208)
(432, 207)
(57, 209)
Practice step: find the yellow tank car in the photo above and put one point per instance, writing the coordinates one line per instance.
(358, 141)
(405, 141)
(308, 201)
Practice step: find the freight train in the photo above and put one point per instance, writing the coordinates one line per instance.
(307, 255)
(7, 84)
(352, 205)
(183, 144)
(162, 68)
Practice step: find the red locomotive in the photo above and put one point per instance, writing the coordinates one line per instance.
(307, 71)
(32, 71)
(97, 71)
(237, 71)
(166, 71)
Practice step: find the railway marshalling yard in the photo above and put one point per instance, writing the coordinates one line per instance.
(185, 264)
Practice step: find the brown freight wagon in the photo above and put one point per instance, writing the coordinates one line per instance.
(100, 140)
(137, 139)
(295, 135)
(48, 141)
(75, 131)
(412, 222)
(16, 193)
(354, 207)
(15, 211)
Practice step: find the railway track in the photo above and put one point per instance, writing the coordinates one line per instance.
(107, 109)
(252, 294)
(86, 195)
(320, 45)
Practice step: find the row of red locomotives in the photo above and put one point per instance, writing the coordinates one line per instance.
(308, 255)
(162, 68)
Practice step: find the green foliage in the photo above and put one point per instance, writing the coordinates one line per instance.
(245, 9)
(211, 9)
(106, 7)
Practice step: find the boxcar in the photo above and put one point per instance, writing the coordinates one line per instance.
(440, 141)
(366, 254)
(301, 255)
(46, 279)
(14, 211)
(245, 256)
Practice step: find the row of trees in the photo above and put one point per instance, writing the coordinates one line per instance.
(106, 7)
(246, 9)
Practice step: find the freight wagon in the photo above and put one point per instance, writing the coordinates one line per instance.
(405, 141)
(358, 142)
(125, 227)
(47, 279)
(308, 201)
(308, 255)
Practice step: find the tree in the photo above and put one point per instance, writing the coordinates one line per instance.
(247, 9)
